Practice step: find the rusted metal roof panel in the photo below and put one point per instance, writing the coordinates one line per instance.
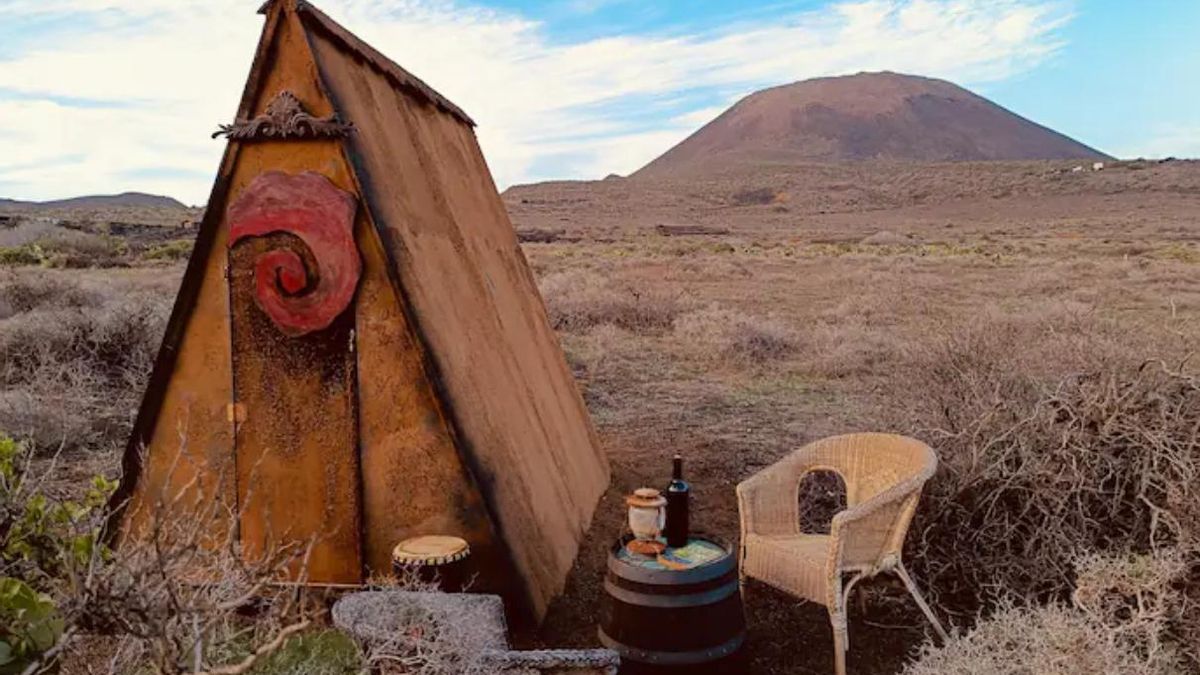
(497, 363)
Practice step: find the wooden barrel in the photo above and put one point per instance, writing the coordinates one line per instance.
(672, 617)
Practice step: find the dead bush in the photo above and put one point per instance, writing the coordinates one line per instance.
(26, 292)
(604, 352)
(733, 337)
(1034, 473)
(1049, 640)
(578, 300)
(177, 596)
(888, 238)
(755, 197)
(81, 250)
(49, 245)
(24, 232)
(1126, 619)
(1144, 601)
(841, 349)
(75, 359)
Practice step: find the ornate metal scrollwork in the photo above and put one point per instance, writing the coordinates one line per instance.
(285, 118)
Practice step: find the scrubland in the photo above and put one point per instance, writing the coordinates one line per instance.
(1039, 334)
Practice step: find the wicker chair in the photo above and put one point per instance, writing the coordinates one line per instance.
(883, 474)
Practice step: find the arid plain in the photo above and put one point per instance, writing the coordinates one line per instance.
(846, 297)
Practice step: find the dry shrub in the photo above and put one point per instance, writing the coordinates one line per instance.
(733, 337)
(887, 238)
(75, 358)
(1049, 640)
(578, 300)
(844, 349)
(1143, 602)
(756, 196)
(26, 232)
(608, 362)
(712, 268)
(1032, 474)
(1126, 620)
(602, 353)
(821, 495)
(858, 336)
(183, 599)
(176, 597)
(52, 246)
(26, 292)
(81, 250)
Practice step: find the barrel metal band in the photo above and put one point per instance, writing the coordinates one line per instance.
(684, 600)
(674, 658)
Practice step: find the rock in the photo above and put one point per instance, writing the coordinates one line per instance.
(475, 620)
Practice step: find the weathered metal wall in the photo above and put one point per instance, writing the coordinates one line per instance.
(188, 454)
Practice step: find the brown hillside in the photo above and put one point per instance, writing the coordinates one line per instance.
(865, 116)
(125, 199)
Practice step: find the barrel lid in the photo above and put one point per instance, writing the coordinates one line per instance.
(431, 550)
(657, 570)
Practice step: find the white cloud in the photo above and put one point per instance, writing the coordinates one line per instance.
(171, 70)
(1172, 140)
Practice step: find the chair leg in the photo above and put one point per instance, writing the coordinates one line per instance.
(845, 608)
(916, 594)
(840, 641)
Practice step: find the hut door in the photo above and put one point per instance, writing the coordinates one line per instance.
(293, 270)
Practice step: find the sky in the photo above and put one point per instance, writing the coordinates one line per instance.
(105, 96)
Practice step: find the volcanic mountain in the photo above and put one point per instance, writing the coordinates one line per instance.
(885, 116)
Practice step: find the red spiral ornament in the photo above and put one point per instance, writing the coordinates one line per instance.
(310, 207)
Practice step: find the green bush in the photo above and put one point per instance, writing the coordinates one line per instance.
(180, 249)
(13, 256)
(74, 252)
(44, 545)
(326, 652)
(29, 625)
(42, 538)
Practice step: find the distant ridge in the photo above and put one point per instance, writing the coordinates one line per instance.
(886, 116)
(125, 199)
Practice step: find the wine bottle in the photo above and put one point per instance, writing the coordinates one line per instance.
(678, 493)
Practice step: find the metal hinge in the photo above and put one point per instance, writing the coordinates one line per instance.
(236, 412)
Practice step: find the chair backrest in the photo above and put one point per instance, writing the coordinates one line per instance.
(887, 468)
(871, 463)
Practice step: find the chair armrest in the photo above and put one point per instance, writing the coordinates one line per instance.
(872, 533)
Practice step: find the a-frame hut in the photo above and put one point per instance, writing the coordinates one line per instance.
(358, 351)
